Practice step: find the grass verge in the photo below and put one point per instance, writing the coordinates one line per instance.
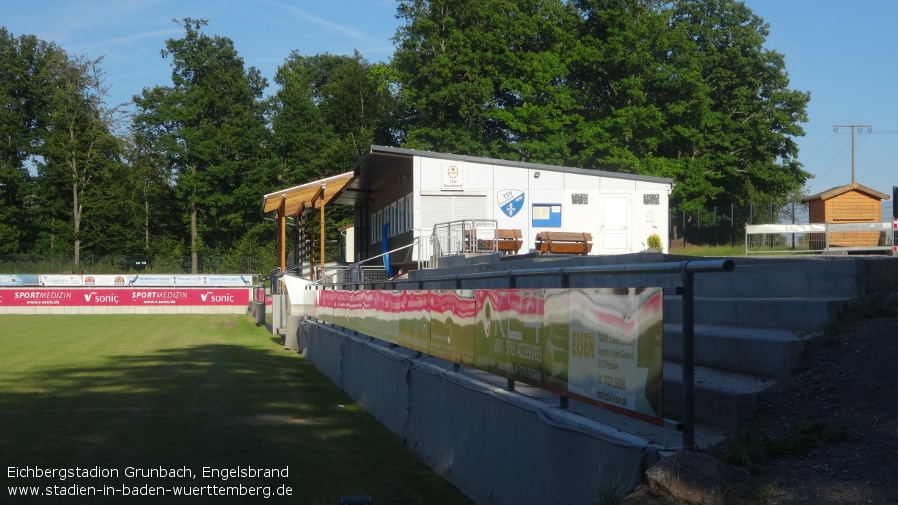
(190, 391)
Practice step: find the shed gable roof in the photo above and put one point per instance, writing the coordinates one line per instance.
(841, 190)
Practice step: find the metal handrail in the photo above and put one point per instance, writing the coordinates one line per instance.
(692, 266)
(360, 263)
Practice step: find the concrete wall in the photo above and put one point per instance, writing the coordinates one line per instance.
(497, 446)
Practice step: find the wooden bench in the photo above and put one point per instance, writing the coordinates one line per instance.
(563, 242)
(507, 241)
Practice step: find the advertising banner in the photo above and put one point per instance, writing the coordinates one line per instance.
(508, 338)
(452, 318)
(69, 297)
(19, 280)
(413, 312)
(604, 345)
(151, 280)
(601, 346)
(211, 280)
(126, 280)
(105, 280)
(60, 280)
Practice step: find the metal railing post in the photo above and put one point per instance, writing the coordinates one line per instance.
(688, 298)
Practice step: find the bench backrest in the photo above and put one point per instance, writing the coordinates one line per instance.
(563, 242)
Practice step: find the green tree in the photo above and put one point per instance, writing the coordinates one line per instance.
(327, 111)
(447, 90)
(616, 72)
(681, 89)
(153, 194)
(743, 117)
(77, 148)
(210, 124)
(686, 90)
(24, 113)
(488, 78)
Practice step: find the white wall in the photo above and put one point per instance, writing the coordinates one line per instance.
(611, 209)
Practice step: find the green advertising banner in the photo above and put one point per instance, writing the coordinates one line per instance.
(601, 346)
(508, 335)
(606, 346)
(452, 325)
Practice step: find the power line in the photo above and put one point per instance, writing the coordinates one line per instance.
(836, 162)
(859, 128)
(821, 148)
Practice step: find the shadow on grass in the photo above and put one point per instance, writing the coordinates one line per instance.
(212, 405)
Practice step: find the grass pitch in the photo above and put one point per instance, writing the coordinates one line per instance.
(128, 393)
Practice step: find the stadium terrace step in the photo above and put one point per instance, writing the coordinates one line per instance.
(722, 399)
(786, 278)
(788, 313)
(751, 324)
(762, 352)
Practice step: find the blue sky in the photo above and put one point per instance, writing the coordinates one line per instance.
(844, 52)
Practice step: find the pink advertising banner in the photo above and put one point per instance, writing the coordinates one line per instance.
(84, 297)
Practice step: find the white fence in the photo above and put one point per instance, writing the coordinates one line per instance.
(809, 238)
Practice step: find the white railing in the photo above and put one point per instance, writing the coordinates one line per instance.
(810, 238)
(466, 236)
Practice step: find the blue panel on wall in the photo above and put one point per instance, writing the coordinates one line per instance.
(546, 215)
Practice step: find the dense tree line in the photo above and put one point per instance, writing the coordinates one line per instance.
(682, 89)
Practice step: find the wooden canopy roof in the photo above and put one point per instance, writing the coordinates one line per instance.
(297, 197)
(290, 201)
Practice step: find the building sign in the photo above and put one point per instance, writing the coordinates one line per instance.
(510, 201)
(453, 177)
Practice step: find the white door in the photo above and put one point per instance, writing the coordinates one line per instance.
(615, 224)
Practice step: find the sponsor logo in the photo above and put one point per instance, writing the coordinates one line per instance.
(157, 295)
(93, 297)
(511, 201)
(208, 296)
(43, 295)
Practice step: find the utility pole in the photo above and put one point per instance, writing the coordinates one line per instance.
(859, 128)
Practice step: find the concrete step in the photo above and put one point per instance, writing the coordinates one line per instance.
(762, 352)
(722, 399)
(794, 278)
(796, 314)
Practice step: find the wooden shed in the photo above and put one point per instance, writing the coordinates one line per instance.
(852, 203)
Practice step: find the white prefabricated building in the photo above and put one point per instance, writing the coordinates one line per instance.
(404, 194)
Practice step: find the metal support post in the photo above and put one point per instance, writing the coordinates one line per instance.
(894, 220)
(688, 359)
